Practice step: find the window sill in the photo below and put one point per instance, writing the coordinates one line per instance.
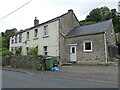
(45, 36)
(87, 51)
(35, 38)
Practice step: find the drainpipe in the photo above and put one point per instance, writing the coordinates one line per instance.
(105, 47)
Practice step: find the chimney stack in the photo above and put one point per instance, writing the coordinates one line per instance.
(36, 21)
(70, 10)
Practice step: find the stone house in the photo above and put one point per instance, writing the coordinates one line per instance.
(90, 42)
(48, 37)
(63, 37)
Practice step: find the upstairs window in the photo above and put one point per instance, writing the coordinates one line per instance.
(20, 37)
(46, 30)
(36, 33)
(27, 35)
(12, 40)
(45, 50)
(15, 38)
(87, 46)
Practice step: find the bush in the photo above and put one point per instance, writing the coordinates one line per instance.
(33, 51)
(6, 52)
(18, 52)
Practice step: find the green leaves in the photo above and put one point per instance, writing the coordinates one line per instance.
(5, 52)
(33, 51)
(102, 14)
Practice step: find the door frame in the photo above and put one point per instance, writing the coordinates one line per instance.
(70, 52)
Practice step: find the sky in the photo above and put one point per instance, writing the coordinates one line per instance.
(45, 10)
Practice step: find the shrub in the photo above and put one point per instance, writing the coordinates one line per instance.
(33, 51)
(6, 52)
(18, 52)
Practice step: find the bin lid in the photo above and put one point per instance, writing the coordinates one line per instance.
(48, 58)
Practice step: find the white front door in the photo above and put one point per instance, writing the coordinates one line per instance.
(72, 53)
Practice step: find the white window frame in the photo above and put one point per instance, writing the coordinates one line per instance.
(16, 38)
(28, 35)
(45, 31)
(12, 40)
(84, 46)
(20, 37)
(36, 33)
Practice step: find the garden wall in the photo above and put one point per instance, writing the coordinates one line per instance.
(25, 62)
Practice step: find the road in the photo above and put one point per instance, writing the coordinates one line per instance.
(12, 79)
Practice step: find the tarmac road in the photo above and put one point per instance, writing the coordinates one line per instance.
(12, 79)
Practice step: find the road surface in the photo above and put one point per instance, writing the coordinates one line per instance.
(12, 79)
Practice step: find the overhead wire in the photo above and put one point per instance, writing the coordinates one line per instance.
(92, 7)
(15, 10)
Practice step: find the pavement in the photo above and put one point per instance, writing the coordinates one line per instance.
(108, 74)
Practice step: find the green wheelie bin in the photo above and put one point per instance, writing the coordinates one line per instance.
(48, 63)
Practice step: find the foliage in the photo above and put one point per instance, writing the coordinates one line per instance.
(104, 13)
(5, 52)
(86, 22)
(0, 51)
(6, 36)
(33, 51)
(4, 42)
(95, 15)
(18, 52)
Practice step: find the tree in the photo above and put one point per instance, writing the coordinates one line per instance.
(4, 41)
(95, 15)
(6, 37)
(104, 13)
(8, 33)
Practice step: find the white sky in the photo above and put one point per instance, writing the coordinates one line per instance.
(45, 10)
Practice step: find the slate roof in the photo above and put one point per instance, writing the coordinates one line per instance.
(90, 29)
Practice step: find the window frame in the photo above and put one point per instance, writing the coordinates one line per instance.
(12, 40)
(35, 33)
(27, 35)
(45, 51)
(45, 30)
(20, 37)
(16, 38)
(84, 47)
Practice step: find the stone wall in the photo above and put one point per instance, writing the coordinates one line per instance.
(97, 54)
(67, 23)
(25, 62)
(5, 60)
(113, 52)
(110, 36)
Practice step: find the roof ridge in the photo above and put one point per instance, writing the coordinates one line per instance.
(56, 18)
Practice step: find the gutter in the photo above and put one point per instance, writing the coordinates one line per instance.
(105, 47)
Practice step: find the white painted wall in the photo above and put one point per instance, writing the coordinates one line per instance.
(52, 41)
